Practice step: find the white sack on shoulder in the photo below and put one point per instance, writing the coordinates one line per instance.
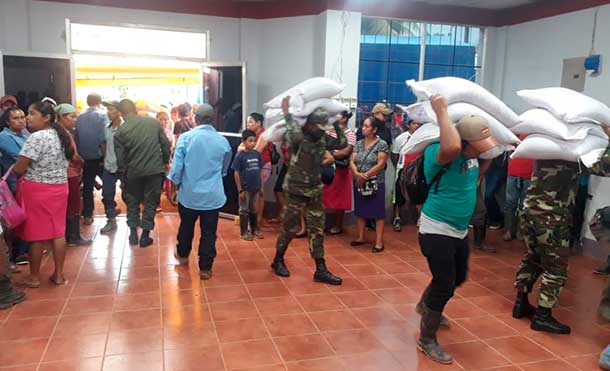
(541, 147)
(421, 138)
(568, 105)
(308, 90)
(541, 121)
(332, 106)
(457, 90)
(593, 157)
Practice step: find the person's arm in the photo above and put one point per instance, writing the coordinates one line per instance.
(166, 146)
(602, 167)
(237, 181)
(175, 174)
(328, 159)
(358, 176)
(261, 145)
(451, 143)
(340, 154)
(341, 137)
(227, 158)
(382, 157)
(294, 135)
(119, 151)
(21, 165)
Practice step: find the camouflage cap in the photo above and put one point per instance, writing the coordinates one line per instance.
(319, 116)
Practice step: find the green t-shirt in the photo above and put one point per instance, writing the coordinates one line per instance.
(456, 198)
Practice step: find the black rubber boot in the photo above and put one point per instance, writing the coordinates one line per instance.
(256, 232)
(133, 236)
(522, 307)
(543, 321)
(145, 240)
(479, 239)
(604, 269)
(510, 227)
(74, 238)
(427, 343)
(243, 227)
(419, 309)
(278, 265)
(323, 275)
(8, 295)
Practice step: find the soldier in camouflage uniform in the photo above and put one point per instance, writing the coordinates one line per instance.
(600, 228)
(303, 189)
(546, 221)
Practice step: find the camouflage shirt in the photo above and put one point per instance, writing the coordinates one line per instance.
(551, 196)
(306, 156)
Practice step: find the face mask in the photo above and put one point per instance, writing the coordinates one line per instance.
(491, 153)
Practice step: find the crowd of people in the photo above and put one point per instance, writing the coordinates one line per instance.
(55, 157)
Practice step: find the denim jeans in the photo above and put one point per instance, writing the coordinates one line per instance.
(91, 169)
(208, 222)
(109, 193)
(516, 188)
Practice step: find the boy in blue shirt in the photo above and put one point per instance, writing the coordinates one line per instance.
(248, 178)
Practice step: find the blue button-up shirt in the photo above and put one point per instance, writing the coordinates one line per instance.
(91, 133)
(10, 146)
(201, 158)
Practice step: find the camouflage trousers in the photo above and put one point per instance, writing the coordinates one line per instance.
(548, 248)
(314, 221)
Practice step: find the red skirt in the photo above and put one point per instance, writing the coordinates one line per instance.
(45, 207)
(338, 195)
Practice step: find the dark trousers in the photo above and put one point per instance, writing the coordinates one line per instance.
(144, 190)
(579, 213)
(494, 179)
(448, 261)
(108, 193)
(208, 222)
(91, 169)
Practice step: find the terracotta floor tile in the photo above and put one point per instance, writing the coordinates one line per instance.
(229, 293)
(138, 286)
(21, 329)
(520, 349)
(453, 334)
(80, 364)
(208, 358)
(267, 290)
(278, 367)
(152, 361)
(548, 366)
(306, 287)
(324, 364)
(94, 289)
(360, 270)
(372, 361)
(495, 304)
(186, 336)
(566, 346)
(233, 310)
(38, 308)
(359, 299)
(487, 327)
(335, 320)
(193, 315)
(383, 281)
(249, 354)
(136, 301)
(353, 341)
(134, 341)
(277, 306)
(349, 284)
(588, 362)
(178, 298)
(396, 338)
(476, 355)
(83, 324)
(414, 360)
(462, 308)
(398, 295)
(65, 348)
(290, 324)
(22, 351)
(241, 330)
(320, 302)
(379, 316)
(259, 276)
(302, 347)
(136, 319)
(93, 304)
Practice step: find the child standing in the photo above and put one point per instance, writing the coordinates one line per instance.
(248, 178)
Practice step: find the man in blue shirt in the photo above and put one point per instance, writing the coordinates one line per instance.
(201, 158)
(90, 142)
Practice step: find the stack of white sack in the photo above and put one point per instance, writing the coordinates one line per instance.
(305, 97)
(565, 126)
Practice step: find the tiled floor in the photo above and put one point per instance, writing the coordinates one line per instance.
(127, 308)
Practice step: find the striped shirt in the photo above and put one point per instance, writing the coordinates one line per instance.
(349, 133)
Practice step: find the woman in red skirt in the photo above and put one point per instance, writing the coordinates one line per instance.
(43, 190)
(338, 195)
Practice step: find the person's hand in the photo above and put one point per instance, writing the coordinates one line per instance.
(242, 196)
(241, 147)
(438, 103)
(286, 105)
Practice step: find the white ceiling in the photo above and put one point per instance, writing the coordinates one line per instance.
(484, 4)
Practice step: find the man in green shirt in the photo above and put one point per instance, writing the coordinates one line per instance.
(142, 152)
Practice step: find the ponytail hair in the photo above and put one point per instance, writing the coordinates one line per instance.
(47, 108)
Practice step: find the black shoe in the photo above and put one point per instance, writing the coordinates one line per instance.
(133, 237)
(145, 240)
(377, 250)
(280, 268)
(543, 321)
(522, 307)
(604, 269)
(323, 275)
(8, 295)
(419, 309)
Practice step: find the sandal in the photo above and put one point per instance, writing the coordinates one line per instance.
(28, 283)
(58, 281)
(377, 250)
(357, 243)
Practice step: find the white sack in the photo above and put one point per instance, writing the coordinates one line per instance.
(568, 105)
(457, 90)
(425, 113)
(541, 147)
(593, 157)
(541, 121)
(308, 90)
(333, 107)
(275, 133)
(421, 138)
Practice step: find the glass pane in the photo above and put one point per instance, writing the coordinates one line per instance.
(467, 46)
(372, 91)
(372, 71)
(440, 42)
(434, 71)
(400, 72)
(405, 39)
(400, 93)
(468, 73)
(375, 39)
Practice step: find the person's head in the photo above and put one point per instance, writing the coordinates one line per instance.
(112, 110)
(14, 119)
(94, 100)
(413, 125)
(476, 136)
(175, 115)
(163, 119)
(204, 115)
(248, 138)
(41, 116)
(7, 102)
(255, 122)
(127, 107)
(184, 111)
(315, 124)
(381, 112)
(344, 117)
(66, 115)
(398, 111)
(370, 128)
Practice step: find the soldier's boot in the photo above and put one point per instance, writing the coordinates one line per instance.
(604, 269)
(73, 237)
(543, 321)
(133, 236)
(479, 239)
(8, 295)
(419, 309)
(145, 240)
(510, 224)
(522, 307)
(279, 266)
(323, 275)
(427, 343)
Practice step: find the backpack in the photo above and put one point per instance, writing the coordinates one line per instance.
(275, 155)
(413, 182)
